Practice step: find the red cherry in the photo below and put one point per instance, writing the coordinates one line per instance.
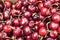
(8, 22)
(24, 21)
(53, 25)
(32, 1)
(41, 17)
(35, 17)
(42, 31)
(31, 8)
(3, 23)
(28, 37)
(7, 4)
(41, 24)
(4, 35)
(25, 2)
(7, 28)
(48, 13)
(15, 12)
(18, 12)
(43, 11)
(27, 14)
(17, 31)
(47, 4)
(18, 4)
(35, 36)
(36, 28)
(56, 18)
(24, 9)
(53, 10)
(59, 30)
(40, 5)
(16, 21)
(20, 38)
(13, 6)
(27, 30)
(6, 14)
(53, 34)
(31, 23)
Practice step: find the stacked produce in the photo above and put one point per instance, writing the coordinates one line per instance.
(30, 20)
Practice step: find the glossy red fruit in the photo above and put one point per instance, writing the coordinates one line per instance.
(20, 38)
(53, 34)
(16, 21)
(3, 23)
(53, 10)
(18, 4)
(40, 5)
(23, 9)
(41, 24)
(43, 11)
(24, 21)
(56, 18)
(4, 34)
(6, 14)
(8, 9)
(47, 4)
(8, 22)
(27, 30)
(41, 17)
(31, 23)
(13, 6)
(27, 14)
(13, 12)
(25, 3)
(36, 28)
(59, 30)
(35, 17)
(35, 36)
(31, 8)
(53, 25)
(18, 12)
(48, 13)
(7, 4)
(28, 37)
(42, 31)
(7, 28)
(32, 1)
(17, 31)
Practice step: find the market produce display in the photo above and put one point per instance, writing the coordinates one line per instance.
(30, 20)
